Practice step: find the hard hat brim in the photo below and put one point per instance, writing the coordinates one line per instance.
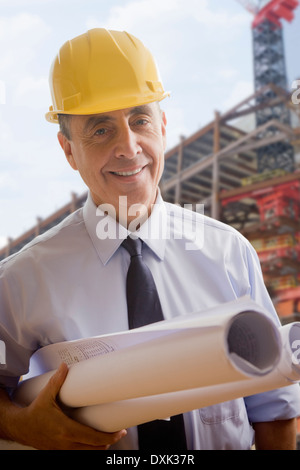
(129, 102)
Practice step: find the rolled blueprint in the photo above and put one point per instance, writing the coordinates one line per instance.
(112, 417)
(229, 344)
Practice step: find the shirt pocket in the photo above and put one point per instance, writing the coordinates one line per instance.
(217, 414)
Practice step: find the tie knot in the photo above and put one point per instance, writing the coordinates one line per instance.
(133, 246)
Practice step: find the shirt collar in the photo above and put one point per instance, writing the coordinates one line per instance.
(107, 234)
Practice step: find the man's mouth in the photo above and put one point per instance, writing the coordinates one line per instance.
(127, 173)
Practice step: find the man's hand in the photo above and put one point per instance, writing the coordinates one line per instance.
(43, 425)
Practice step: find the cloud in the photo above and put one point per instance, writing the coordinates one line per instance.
(3, 241)
(21, 37)
(141, 13)
(2, 92)
(175, 123)
(228, 73)
(213, 18)
(34, 181)
(32, 92)
(6, 181)
(5, 132)
(241, 90)
(136, 12)
(183, 34)
(20, 3)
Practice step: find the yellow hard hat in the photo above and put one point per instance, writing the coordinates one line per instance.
(102, 71)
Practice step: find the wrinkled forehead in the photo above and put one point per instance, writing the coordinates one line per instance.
(87, 122)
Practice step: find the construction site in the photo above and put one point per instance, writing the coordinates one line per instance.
(243, 166)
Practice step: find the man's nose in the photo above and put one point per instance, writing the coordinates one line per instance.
(128, 143)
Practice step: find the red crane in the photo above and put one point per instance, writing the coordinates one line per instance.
(272, 10)
(269, 67)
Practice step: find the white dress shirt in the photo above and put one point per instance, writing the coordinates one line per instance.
(69, 283)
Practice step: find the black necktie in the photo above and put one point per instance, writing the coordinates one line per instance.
(143, 308)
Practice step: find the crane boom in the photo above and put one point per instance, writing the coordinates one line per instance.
(275, 11)
(272, 10)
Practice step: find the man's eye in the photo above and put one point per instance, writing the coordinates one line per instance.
(101, 131)
(141, 122)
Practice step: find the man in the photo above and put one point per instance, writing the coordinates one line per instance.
(69, 283)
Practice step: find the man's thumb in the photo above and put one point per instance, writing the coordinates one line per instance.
(57, 379)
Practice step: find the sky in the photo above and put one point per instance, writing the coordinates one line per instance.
(204, 52)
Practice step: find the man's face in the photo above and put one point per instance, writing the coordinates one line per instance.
(119, 153)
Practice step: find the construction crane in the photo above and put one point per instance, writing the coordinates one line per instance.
(270, 68)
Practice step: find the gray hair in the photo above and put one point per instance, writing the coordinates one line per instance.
(64, 125)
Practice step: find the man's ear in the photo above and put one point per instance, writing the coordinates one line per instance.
(67, 148)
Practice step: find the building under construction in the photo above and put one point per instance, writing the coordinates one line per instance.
(244, 166)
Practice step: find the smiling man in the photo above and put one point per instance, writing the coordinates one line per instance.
(131, 143)
(70, 282)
